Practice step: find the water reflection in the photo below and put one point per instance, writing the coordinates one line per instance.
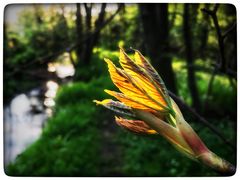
(65, 71)
(50, 93)
(63, 67)
(25, 117)
(51, 67)
(51, 85)
(22, 126)
(49, 102)
(27, 113)
(19, 106)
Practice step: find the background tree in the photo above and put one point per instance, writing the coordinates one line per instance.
(155, 23)
(88, 37)
(189, 13)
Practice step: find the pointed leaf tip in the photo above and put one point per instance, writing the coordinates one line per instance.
(97, 102)
(120, 47)
(136, 126)
(122, 52)
(107, 60)
(106, 90)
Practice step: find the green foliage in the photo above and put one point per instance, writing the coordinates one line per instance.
(97, 67)
(79, 92)
(123, 30)
(58, 156)
(225, 98)
(179, 67)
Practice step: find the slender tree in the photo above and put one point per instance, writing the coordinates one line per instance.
(88, 29)
(155, 23)
(79, 27)
(204, 32)
(84, 50)
(189, 56)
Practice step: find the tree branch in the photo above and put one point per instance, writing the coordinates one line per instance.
(222, 66)
(201, 119)
(209, 90)
(88, 10)
(229, 30)
(99, 22)
(101, 15)
(213, 14)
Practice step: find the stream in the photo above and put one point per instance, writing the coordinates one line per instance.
(27, 113)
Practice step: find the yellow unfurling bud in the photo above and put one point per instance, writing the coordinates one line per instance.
(144, 96)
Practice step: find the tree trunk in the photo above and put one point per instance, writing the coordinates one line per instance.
(156, 30)
(84, 50)
(204, 32)
(189, 56)
(79, 31)
(88, 37)
(88, 17)
(99, 23)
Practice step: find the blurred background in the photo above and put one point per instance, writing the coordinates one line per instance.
(54, 68)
